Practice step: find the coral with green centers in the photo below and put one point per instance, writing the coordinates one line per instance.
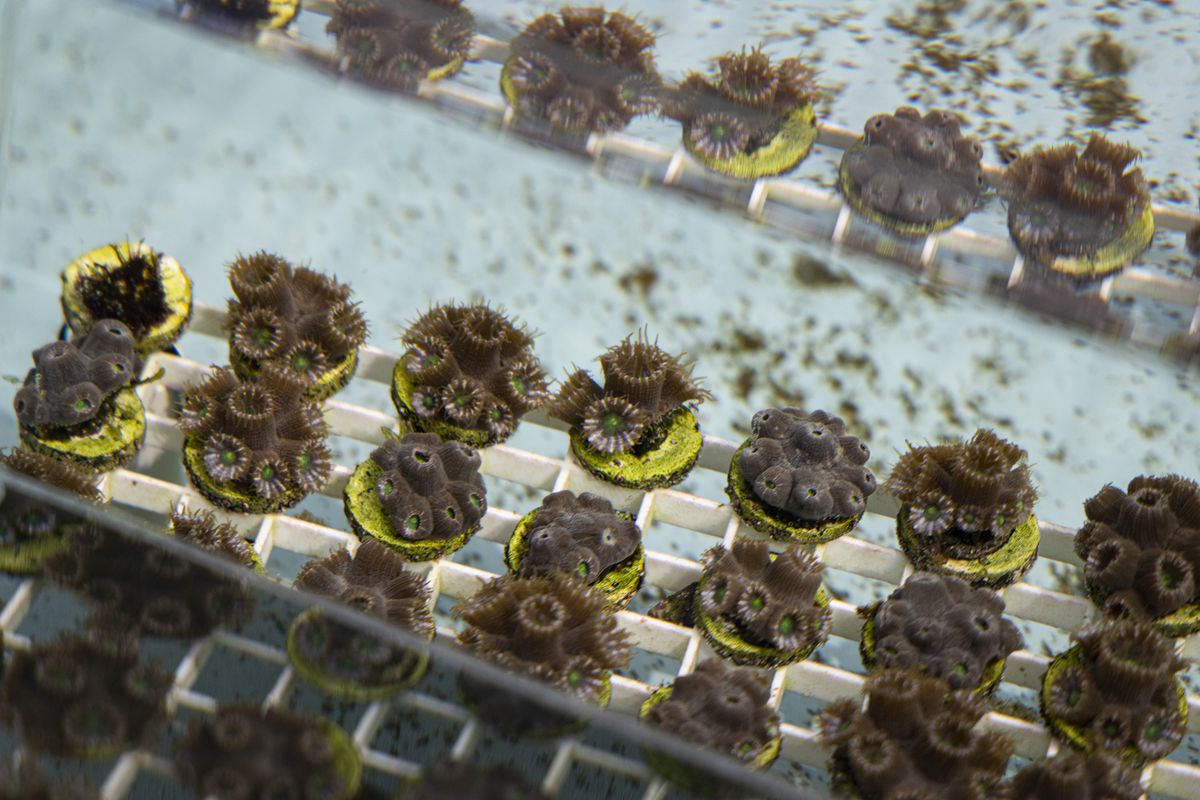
(296, 318)
(1081, 213)
(445, 778)
(940, 625)
(1116, 691)
(343, 660)
(202, 529)
(257, 14)
(913, 174)
(131, 282)
(1098, 776)
(420, 495)
(762, 609)
(1141, 551)
(396, 44)
(752, 119)
(468, 373)
(149, 589)
(800, 476)
(31, 530)
(245, 751)
(582, 536)
(916, 739)
(85, 696)
(255, 446)
(582, 70)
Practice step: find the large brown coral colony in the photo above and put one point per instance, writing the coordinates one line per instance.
(721, 708)
(472, 367)
(806, 465)
(770, 601)
(579, 535)
(1141, 548)
(429, 488)
(291, 316)
(944, 627)
(260, 436)
(1122, 691)
(583, 69)
(397, 43)
(552, 628)
(1098, 776)
(916, 739)
(642, 385)
(86, 696)
(744, 106)
(1064, 201)
(71, 381)
(965, 498)
(919, 170)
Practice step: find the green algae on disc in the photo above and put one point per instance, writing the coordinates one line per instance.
(781, 153)
(107, 441)
(227, 495)
(676, 447)
(724, 638)
(993, 570)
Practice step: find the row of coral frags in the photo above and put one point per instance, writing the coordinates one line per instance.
(255, 441)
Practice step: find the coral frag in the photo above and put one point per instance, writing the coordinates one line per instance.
(32, 530)
(294, 317)
(582, 70)
(256, 446)
(912, 173)
(1098, 776)
(916, 739)
(202, 529)
(398, 43)
(800, 475)
(1141, 550)
(257, 14)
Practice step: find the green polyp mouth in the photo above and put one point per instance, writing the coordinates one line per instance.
(301, 362)
(267, 473)
(611, 423)
(780, 154)
(787, 625)
(664, 465)
(263, 336)
(412, 523)
(228, 457)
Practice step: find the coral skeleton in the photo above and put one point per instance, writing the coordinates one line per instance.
(397, 43)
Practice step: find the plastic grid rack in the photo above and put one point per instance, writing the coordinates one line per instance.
(665, 571)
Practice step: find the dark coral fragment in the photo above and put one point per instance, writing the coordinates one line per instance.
(642, 385)
(1098, 776)
(85, 696)
(71, 381)
(721, 708)
(583, 69)
(430, 488)
(1121, 692)
(237, 13)
(472, 367)
(23, 781)
(806, 465)
(295, 317)
(964, 499)
(770, 601)
(916, 739)
(1141, 547)
(445, 778)
(202, 529)
(53, 471)
(578, 535)
(398, 43)
(919, 170)
(942, 626)
(1067, 201)
(131, 290)
(31, 529)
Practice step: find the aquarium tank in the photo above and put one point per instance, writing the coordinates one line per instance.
(674, 399)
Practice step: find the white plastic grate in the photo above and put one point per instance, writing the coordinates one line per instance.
(664, 571)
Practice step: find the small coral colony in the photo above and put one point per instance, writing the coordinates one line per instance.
(255, 441)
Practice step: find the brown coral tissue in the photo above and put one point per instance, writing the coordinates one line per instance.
(1141, 547)
(430, 488)
(583, 70)
(578, 535)
(260, 436)
(721, 708)
(917, 169)
(22, 781)
(248, 752)
(1067, 201)
(445, 778)
(915, 740)
(1122, 692)
(71, 382)
(1098, 776)
(397, 43)
(806, 465)
(202, 529)
(642, 385)
(944, 627)
(473, 367)
(744, 106)
(771, 601)
(52, 471)
(964, 499)
(130, 291)
(291, 316)
(85, 696)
